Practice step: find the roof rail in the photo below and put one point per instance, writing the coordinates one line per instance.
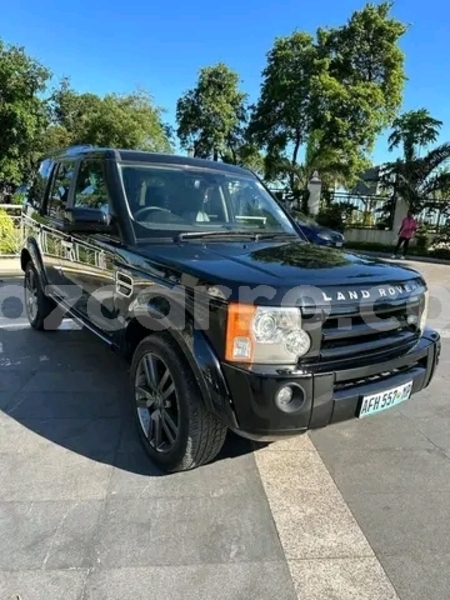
(78, 148)
(67, 150)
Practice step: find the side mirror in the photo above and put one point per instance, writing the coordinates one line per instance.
(89, 220)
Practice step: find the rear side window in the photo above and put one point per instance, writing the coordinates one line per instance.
(59, 193)
(36, 194)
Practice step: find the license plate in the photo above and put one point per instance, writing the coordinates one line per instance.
(339, 244)
(375, 403)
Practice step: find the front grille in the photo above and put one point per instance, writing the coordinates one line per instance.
(386, 329)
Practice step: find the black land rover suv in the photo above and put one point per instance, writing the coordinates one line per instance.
(230, 319)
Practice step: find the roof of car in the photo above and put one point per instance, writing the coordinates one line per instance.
(147, 157)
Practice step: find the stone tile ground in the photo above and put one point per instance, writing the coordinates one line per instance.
(84, 514)
(393, 470)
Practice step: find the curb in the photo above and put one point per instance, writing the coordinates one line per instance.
(10, 275)
(9, 264)
(9, 268)
(423, 259)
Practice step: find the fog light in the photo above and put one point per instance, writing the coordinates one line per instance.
(284, 397)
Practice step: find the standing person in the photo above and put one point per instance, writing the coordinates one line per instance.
(405, 234)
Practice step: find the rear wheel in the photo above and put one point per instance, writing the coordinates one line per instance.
(177, 431)
(42, 312)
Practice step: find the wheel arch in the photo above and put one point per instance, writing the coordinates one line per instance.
(197, 353)
(31, 252)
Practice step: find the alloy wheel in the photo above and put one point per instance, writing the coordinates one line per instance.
(156, 403)
(31, 295)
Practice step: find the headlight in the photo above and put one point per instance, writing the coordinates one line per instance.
(424, 310)
(270, 335)
(418, 310)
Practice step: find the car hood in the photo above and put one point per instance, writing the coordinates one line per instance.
(282, 266)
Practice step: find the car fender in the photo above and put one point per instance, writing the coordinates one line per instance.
(196, 349)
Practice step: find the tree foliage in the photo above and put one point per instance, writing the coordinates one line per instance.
(412, 130)
(341, 87)
(281, 119)
(22, 112)
(324, 99)
(417, 178)
(366, 65)
(123, 121)
(211, 115)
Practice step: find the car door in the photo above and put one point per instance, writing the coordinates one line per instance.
(34, 217)
(89, 271)
(52, 239)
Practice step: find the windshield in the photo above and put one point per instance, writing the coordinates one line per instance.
(173, 199)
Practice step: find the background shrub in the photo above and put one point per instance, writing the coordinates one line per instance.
(9, 234)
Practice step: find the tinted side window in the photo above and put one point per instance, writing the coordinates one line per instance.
(38, 187)
(60, 189)
(90, 190)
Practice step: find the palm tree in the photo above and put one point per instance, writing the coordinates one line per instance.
(412, 130)
(417, 178)
(330, 163)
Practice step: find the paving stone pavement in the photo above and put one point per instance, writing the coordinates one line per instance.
(393, 471)
(355, 511)
(84, 514)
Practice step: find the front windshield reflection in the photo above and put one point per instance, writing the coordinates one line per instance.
(173, 199)
(308, 256)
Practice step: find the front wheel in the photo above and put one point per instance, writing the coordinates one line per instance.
(177, 430)
(42, 312)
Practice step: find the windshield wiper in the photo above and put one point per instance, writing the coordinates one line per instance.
(277, 234)
(185, 235)
(230, 233)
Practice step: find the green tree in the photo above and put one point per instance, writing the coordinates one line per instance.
(281, 119)
(22, 111)
(211, 115)
(412, 130)
(330, 162)
(417, 178)
(336, 91)
(247, 155)
(129, 121)
(363, 90)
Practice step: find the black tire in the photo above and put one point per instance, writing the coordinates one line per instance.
(47, 315)
(200, 435)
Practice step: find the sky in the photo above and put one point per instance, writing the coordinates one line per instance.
(106, 46)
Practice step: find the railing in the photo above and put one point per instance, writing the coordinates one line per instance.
(365, 211)
(11, 230)
(377, 212)
(361, 211)
(435, 215)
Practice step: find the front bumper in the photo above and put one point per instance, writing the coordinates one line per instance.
(328, 397)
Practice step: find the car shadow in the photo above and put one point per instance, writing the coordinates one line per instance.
(70, 389)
